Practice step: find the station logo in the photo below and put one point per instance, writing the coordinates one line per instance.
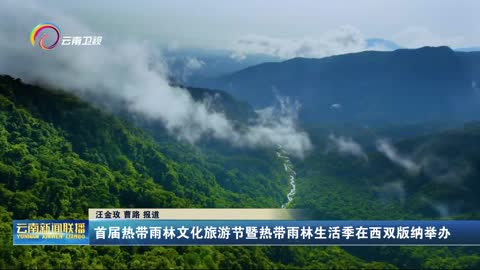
(47, 35)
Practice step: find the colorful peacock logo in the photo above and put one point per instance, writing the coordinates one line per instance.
(38, 29)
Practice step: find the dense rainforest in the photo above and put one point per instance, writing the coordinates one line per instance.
(60, 155)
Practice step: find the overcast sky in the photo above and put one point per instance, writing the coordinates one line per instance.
(217, 23)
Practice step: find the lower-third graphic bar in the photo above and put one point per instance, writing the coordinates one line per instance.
(282, 232)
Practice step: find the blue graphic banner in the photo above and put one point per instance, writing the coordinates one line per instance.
(128, 232)
(282, 232)
(50, 232)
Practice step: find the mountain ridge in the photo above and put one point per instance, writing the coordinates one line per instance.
(371, 87)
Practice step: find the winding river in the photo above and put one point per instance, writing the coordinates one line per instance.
(288, 166)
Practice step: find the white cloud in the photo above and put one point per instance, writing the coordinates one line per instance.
(182, 68)
(345, 146)
(386, 148)
(278, 125)
(194, 64)
(130, 70)
(343, 40)
(238, 56)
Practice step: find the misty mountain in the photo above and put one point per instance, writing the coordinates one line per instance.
(444, 181)
(187, 66)
(239, 112)
(191, 65)
(441, 179)
(221, 101)
(371, 87)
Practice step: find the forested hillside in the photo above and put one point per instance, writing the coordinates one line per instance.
(342, 186)
(445, 173)
(60, 156)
